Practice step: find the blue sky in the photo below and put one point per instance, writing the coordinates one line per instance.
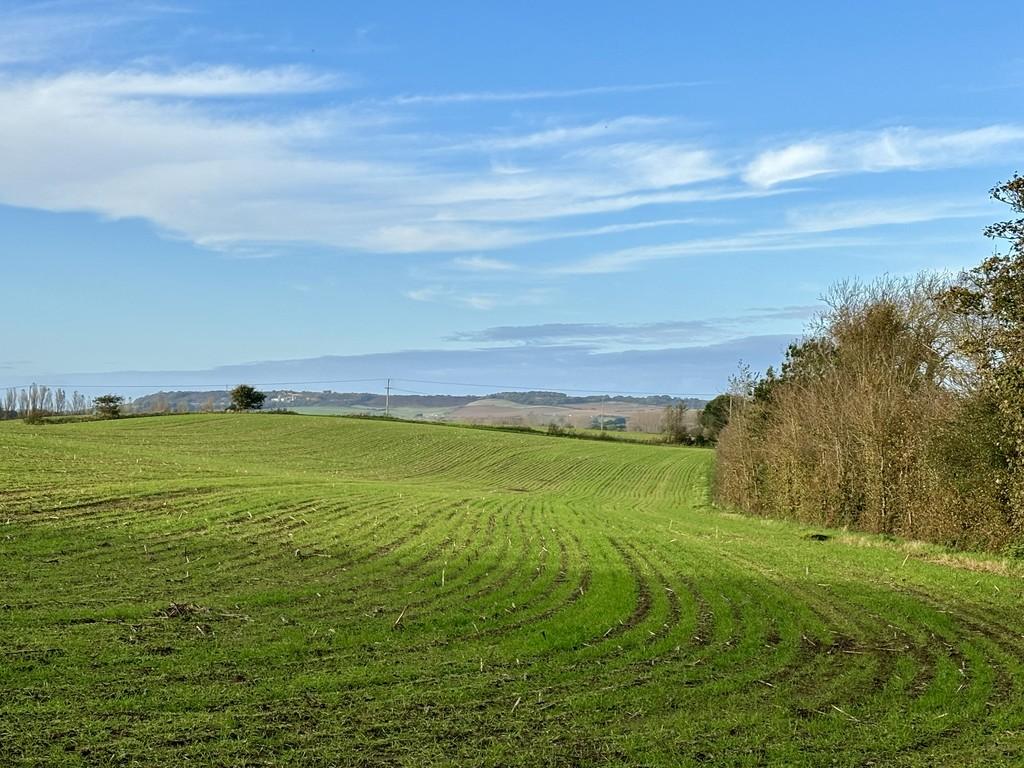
(584, 196)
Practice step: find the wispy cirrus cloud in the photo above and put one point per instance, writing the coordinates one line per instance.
(33, 32)
(481, 300)
(591, 175)
(464, 97)
(483, 264)
(158, 145)
(190, 82)
(899, 148)
(625, 259)
(230, 158)
(567, 134)
(554, 205)
(866, 214)
(806, 228)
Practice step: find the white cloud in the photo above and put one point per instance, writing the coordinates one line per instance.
(655, 166)
(625, 259)
(31, 33)
(568, 134)
(605, 171)
(482, 300)
(153, 145)
(808, 228)
(902, 148)
(196, 82)
(447, 237)
(609, 229)
(558, 206)
(252, 178)
(483, 264)
(875, 213)
(427, 293)
(437, 236)
(797, 161)
(531, 95)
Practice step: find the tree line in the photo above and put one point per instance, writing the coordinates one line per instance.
(901, 410)
(37, 400)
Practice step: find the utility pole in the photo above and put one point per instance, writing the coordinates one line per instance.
(387, 399)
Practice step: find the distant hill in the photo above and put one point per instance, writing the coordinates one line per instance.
(541, 397)
(219, 399)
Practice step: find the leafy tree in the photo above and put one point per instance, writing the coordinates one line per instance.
(246, 398)
(108, 406)
(989, 300)
(716, 414)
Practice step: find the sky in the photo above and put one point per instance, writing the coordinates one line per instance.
(575, 196)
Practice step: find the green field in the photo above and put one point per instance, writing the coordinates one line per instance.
(286, 590)
(398, 411)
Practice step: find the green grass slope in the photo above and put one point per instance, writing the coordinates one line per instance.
(259, 590)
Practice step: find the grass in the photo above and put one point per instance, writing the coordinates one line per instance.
(242, 590)
(633, 437)
(399, 411)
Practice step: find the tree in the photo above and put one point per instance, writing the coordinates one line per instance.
(246, 398)
(38, 401)
(79, 403)
(10, 409)
(716, 415)
(989, 302)
(108, 406)
(675, 424)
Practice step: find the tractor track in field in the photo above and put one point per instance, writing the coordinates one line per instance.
(881, 641)
(410, 594)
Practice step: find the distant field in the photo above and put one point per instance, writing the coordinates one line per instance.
(494, 410)
(257, 590)
(504, 412)
(400, 412)
(631, 437)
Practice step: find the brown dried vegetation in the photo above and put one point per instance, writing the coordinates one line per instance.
(892, 414)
